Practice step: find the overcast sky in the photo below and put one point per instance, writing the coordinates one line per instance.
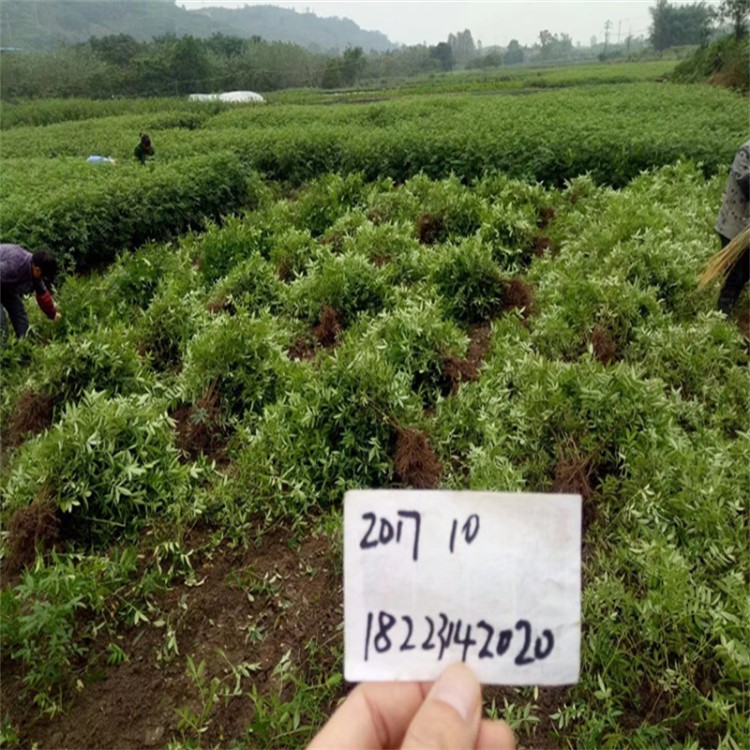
(491, 21)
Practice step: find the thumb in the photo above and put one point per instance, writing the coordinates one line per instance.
(450, 716)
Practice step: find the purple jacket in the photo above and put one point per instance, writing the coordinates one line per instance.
(16, 277)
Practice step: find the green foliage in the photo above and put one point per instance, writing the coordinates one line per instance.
(723, 62)
(415, 340)
(243, 358)
(43, 616)
(103, 360)
(123, 206)
(329, 197)
(294, 711)
(347, 283)
(251, 286)
(108, 464)
(164, 331)
(337, 429)
(469, 281)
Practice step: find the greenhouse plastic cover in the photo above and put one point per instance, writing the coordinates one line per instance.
(229, 96)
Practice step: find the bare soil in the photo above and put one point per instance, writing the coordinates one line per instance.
(329, 327)
(542, 245)
(250, 606)
(35, 527)
(32, 414)
(432, 229)
(415, 461)
(546, 215)
(519, 295)
(605, 347)
(199, 429)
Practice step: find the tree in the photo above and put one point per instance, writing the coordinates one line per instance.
(331, 75)
(546, 40)
(514, 53)
(736, 11)
(189, 64)
(462, 45)
(443, 53)
(117, 49)
(352, 64)
(683, 24)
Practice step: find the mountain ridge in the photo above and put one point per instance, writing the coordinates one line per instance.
(45, 24)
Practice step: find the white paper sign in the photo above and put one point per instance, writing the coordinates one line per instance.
(435, 577)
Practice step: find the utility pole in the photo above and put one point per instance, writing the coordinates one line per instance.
(607, 27)
(629, 39)
(619, 29)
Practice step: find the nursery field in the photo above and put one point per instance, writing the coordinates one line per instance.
(441, 290)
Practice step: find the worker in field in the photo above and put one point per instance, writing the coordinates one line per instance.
(21, 273)
(144, 149)
(734, 217)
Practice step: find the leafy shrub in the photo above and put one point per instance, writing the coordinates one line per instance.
(104, 360)
(469, 281)
(335, 431)
(92, 224)
(326, 200)
(52, 614)
(252, 286)
(108, 464)
(172, 319)
(243, 358)
(220, 248)
(347, 283)
(416, 341)
(292, 252)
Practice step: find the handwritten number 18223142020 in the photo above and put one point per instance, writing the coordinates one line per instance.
(386, 631)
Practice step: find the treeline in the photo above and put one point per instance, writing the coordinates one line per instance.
(120, 65)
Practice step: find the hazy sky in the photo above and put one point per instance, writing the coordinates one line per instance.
(491, 21)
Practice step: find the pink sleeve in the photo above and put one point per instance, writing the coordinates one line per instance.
(46, 304)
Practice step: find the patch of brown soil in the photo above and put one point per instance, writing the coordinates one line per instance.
(250, 608)
(328, 329)
(480, 339)
(604, 345)
(221, 304)
(376, 216)
(415, 462)
(285, 271)
(457, 371)
(546, 215)
(743, 322)
(542, 245)
(432, 229)
(519, 295)
(32, 413)
(302, 349)
(575, 474)
(199, 428)
(31, 529)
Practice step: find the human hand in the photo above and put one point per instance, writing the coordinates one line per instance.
(446, 714)
(58, 317)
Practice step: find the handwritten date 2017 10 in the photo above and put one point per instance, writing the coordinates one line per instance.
(382, 531)
(384, 632)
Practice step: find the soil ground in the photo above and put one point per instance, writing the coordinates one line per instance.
(291, 594)
(292, 597)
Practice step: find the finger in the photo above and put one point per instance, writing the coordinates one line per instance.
(450, 715)
(495, 735)
(375, 716)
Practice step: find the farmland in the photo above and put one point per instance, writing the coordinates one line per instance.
(438, 289)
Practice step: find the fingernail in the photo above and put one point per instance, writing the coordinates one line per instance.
(457, 687)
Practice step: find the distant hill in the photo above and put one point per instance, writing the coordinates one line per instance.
(42, 24)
